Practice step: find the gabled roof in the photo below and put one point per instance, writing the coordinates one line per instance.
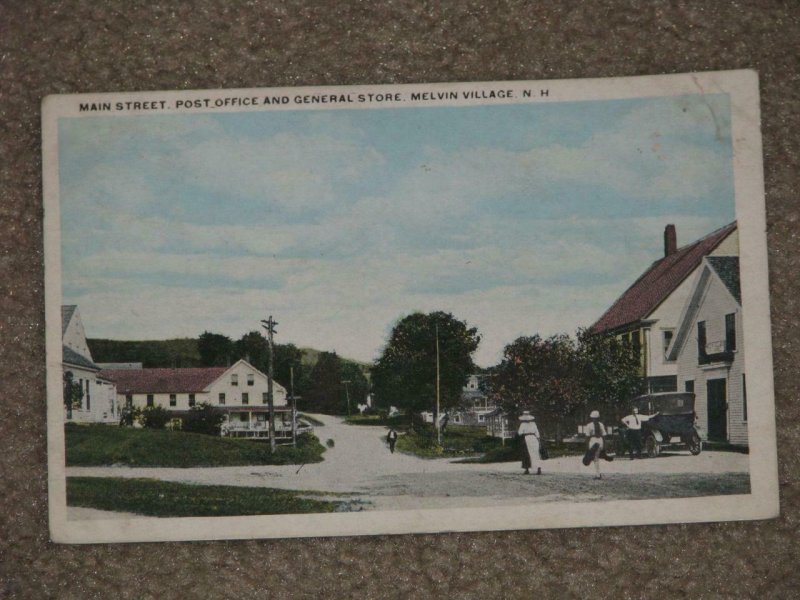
(67, 311)
(163, 381)
(70, 357)
(658, 282)
(727, 267)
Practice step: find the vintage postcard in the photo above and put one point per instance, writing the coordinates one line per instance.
(407, 308)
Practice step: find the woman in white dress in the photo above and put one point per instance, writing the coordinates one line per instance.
(529, 433)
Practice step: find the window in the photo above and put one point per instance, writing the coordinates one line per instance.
(222, 397)
(191, 399)
(730, 332)
(688, 385)
(701, 342)
(264, 397)
(245, 398)
(88, 396)
(128, 400)
(234, 379)
(149, 399)
(744, 398)
(251, 379)
(173, 399)
(636, 343)
(667, 341)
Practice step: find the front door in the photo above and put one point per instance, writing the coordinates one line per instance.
(717, 409)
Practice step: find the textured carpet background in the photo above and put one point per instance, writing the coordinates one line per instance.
(59, 47)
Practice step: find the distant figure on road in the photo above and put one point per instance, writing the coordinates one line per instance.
(391, 437)
(529, 433)
(633, 435)
(597, 432)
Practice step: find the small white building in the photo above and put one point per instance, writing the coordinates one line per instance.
(239, 391)
(98, 403)
(709, 354)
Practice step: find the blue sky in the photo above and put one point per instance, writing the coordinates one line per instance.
(520, 219)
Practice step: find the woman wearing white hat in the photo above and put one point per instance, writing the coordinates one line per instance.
(597, 432)
(529, 433)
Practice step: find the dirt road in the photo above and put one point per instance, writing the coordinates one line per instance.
(360, 465)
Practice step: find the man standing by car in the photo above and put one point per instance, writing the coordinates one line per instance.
(634, 432)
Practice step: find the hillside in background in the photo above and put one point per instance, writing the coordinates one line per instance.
(176, 353)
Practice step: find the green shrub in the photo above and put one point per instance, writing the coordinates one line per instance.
(203, 418)
(129, 415)
(155, 417)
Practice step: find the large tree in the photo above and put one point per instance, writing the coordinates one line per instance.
(544, 376)
(216, 350)
(288, 358)
(561, 379)
(254, 348)
(323, 388)
(612, 373)
(405, 374)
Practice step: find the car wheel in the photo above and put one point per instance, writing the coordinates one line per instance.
(695, 444)
(651, 446)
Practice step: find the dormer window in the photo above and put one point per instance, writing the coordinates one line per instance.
(234, 379)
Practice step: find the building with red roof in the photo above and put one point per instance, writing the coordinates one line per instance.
(647, 314)
(239, 391)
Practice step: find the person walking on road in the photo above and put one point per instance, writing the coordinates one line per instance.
(529, 433)
(633, 435)
(597, 433)
(391, 437)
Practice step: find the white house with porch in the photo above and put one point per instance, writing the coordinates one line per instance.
(98, 402)
(239, 391)
(709, 353)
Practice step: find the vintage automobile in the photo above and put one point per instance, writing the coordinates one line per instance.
(673, 427)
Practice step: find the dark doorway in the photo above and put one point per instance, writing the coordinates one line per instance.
(717, 410)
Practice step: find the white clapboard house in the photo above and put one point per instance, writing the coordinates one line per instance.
(647, 314)
(239, 391)
(709, 353)
(98, 402)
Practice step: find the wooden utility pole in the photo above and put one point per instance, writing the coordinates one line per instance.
(438, 420)
(294, 406)
(269, 325)
(346, 382)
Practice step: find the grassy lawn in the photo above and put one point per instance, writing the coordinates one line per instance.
(168, 499)
(97, 445)
(457, 440)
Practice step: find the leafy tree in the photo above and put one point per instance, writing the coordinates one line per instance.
(203, 418)
(254, 348)
(323, 390)
(288, 356)
(357, 386)
(544, 376)
(155, 417)
(215, 350)
(73, 393)
(405, 374)
(611, 373)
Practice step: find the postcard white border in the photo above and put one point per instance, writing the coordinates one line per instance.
(761, 503)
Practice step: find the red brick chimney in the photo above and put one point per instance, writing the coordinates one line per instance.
(670, 240)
